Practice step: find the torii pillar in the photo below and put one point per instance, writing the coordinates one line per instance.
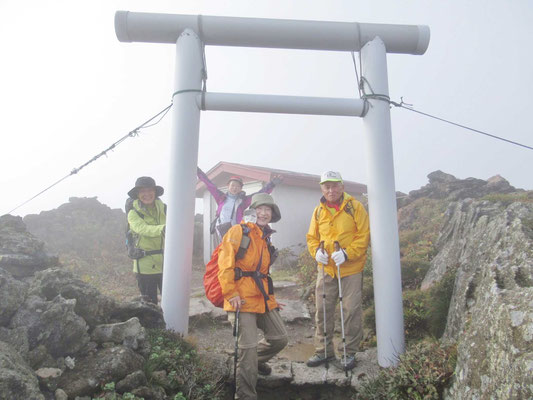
(190, 33)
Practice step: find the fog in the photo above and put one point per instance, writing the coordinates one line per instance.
(69, 89)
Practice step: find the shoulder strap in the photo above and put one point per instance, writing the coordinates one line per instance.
(129, 207)
(349, 208)
(317, 212)
(245, 242)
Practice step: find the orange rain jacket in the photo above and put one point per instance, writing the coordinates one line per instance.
(245, 287)
(352, 233)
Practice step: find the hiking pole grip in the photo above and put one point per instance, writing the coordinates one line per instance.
(337, 245)
(321, 248)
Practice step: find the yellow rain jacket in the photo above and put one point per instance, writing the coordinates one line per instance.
(148, 235)
(349, 226)
(245, 287)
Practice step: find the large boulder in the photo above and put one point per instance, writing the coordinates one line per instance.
(91, 305)
(17, 380)
(490, 248)
(445, 186)
(12, 295)
(107, 365)
(129, 333)
(53, 324)
(149, 314)
(21, 254)
(16, 338)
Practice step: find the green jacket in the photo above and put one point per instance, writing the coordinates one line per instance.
(148, 232)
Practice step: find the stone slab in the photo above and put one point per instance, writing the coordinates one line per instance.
(281, 374)
(303, 375)
(202, 308)
(284, 284)
(294, 310)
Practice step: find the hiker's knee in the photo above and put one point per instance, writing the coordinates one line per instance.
(278, 344)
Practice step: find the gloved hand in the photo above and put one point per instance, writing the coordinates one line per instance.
(321, 257)
(339, 257)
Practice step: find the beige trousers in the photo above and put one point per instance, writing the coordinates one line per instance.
(351, 307)
(251, 352)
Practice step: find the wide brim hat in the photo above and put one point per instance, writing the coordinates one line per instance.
(145, 182)
(264, 199)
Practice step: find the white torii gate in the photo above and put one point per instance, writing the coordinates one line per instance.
(190, 33)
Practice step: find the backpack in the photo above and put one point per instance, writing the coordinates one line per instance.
(131, 237)
(213, 291)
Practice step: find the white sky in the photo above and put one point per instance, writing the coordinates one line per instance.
(69, 89)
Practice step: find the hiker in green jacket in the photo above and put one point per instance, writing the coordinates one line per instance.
(147, 221)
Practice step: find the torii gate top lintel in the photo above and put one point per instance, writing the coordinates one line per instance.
(270, 33)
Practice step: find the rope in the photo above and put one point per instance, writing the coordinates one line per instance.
(356, 74)
(134, 132)
(199, 23)
(185, 91)
(406, 106)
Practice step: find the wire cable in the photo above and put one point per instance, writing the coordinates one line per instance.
(406, 106)
(402, 105)
(357, 74)
(132, 133)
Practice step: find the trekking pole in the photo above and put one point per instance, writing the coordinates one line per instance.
(235, 356)
(321, 248)
(337, 248)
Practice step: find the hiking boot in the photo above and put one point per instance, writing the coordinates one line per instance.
(350, 363)
(264, 369)
(318, 359)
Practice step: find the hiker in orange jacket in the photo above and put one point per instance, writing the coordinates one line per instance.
(252, 295)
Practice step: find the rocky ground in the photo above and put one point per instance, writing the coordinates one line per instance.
(210, 331)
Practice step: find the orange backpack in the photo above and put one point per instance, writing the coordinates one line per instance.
(213, 291)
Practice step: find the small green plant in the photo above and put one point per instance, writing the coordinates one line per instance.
(307, 271)
(423, 372)
(109, 387)
(186, 371)
(507, 198)
(368, 282)
(438, 299)
(415, 314)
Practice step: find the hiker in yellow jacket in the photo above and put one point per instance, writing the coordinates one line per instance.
(147, 220)
(338, 218)
(252, 296)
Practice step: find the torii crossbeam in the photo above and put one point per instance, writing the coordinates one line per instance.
(190, 33)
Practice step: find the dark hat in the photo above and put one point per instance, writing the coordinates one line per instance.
(145, 182)
(264, 199)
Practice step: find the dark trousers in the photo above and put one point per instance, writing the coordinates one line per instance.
(148, 285)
